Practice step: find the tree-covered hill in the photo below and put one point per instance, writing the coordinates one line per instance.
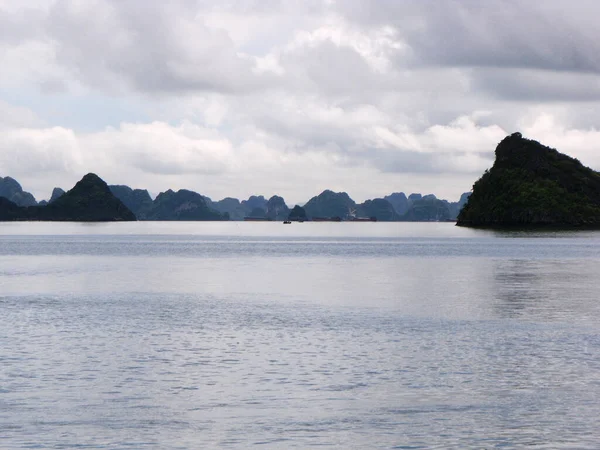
(533, 185)
(90, 200)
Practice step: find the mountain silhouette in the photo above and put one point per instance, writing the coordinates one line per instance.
(533, 185)
(90, 200)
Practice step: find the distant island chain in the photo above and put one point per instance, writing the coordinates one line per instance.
(529, 185)
(93, 200)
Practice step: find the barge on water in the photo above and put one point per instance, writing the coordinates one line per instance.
(326, 219)
(257, 219)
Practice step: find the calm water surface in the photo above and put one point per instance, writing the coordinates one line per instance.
(234, 335)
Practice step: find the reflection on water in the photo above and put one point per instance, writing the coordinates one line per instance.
(518, 286)
(184, 336)
(547, 290)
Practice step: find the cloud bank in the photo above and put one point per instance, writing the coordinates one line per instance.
(248, 97)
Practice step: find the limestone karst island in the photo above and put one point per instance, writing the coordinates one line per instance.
(89, 201)
(529, 185)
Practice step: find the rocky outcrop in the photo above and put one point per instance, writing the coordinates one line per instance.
(398, 201)
(531, 185)
(277, 209)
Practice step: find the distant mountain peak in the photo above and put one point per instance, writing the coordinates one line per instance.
(90, 200)
(56, 194)
(12, 190)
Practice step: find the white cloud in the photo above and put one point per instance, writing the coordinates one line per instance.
(32, 65)
(581, 144)
(17, 117)
(30, 152)
(235, 98)
(464, 135)
(159, 148)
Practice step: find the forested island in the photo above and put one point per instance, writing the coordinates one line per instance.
(531, 185)
(90, 200)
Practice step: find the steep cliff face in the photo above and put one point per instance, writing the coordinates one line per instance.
(399, 201)
(277, 209)
(533, 185)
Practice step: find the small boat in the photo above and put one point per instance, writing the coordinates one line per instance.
(286, 222)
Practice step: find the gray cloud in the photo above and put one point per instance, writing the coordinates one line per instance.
(20, 25)
(506, 34)
(152, 48)
(401, 162)
(550, 35)
(538, 86)
(292, 94)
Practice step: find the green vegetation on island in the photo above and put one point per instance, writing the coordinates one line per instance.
(426, 209)
(189, 205)
(329, 204)
(378, 208)
(531, 185)
(182, 205)
(89, 201)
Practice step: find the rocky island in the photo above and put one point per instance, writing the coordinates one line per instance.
(89, 201)
(182, 205)
(17, 204)
(531, 185)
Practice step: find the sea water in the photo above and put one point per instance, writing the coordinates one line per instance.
(347, 335)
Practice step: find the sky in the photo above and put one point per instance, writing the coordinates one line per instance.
(233, 98)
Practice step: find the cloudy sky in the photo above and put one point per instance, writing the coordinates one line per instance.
(232, 98)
